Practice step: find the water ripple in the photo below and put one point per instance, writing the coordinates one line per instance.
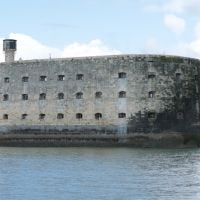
(99, 173)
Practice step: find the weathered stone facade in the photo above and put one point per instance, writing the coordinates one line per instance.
(107, 95)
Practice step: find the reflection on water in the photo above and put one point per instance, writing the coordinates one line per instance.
(99, 173)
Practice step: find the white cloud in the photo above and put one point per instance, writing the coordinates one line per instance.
(194, 47)
(174, 23)
(187, 49)
(180, 6)
(187, 9)
(197, 30)
(30, 48)
(191, 48)
(93, 48)
(176, 6)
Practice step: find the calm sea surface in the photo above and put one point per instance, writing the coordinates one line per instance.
(99, 173)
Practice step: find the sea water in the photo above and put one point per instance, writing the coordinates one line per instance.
(99, 174)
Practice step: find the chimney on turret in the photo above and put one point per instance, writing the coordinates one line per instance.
(9, 47)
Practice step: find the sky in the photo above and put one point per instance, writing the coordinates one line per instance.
(64, 28)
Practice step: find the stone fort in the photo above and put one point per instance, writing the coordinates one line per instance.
(136, 100)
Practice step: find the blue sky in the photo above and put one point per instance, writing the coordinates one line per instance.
(83, 27)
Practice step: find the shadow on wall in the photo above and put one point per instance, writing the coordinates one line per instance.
(180, 116)
(179, 119)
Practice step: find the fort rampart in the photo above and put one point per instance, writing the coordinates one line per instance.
(99, 100)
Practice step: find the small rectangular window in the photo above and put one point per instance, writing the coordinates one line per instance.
(41, 116)
(42, 96)
(122, 94)
(151, 94)
(6, 80)
(79, 95)
(178, 76)
(61, 95)
(24, 116)
(122, 75)
(98, 116)
(24, 96)
(43, 78)
(151, 76)
(5, 116)
(151, 115)
(5, 97)
(61, 77)
(60, 116)
(121, 115)
(98, 95)
(79, 77)
(79, 115)
(25, 79)
(179, 115)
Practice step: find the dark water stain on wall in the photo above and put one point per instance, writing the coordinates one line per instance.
(178, 116)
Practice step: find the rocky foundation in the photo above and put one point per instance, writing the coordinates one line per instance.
(158, 140)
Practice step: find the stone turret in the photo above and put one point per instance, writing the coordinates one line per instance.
(9, 47)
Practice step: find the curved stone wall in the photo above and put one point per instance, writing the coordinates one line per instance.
(120, 95)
